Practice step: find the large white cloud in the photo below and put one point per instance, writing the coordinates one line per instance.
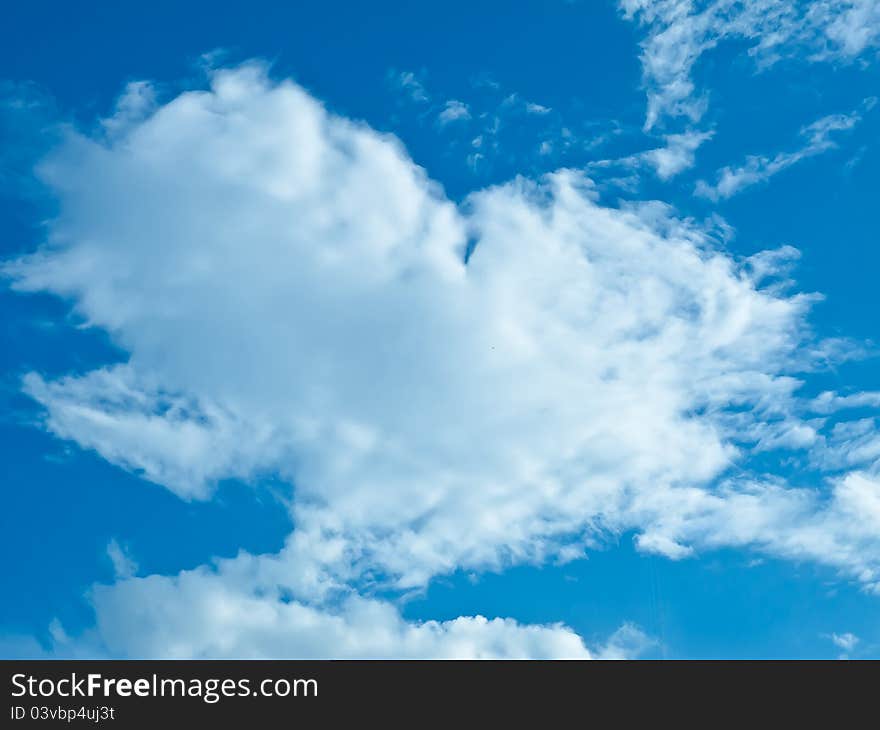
(199, 614)
(443, 386)
(217, 613)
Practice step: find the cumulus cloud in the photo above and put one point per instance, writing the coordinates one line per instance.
(205, 614)
(442, 386)
(760, 168)
(679, 32)
(237, 608)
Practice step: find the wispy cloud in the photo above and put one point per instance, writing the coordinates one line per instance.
(674, 157)
(497, 124)
(760, 168)
(533, 108)
(123, 565)
(410, 84)
(679, 32)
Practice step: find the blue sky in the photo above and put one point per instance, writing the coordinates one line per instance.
(331, 330)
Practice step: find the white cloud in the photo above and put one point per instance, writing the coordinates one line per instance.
(851, 27)
(628, 642)
(533, 108)
(292, 293)
(452, 111)
(760, 168)
(123, 565)
(830, 402)
(169, 439)
(676, 156)
(134, 104)
(841, 529)
(845, 641)
(238, 609)
(205, 614)
(500, 122)
(411, 85)
(679, 32)
(850, 445)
